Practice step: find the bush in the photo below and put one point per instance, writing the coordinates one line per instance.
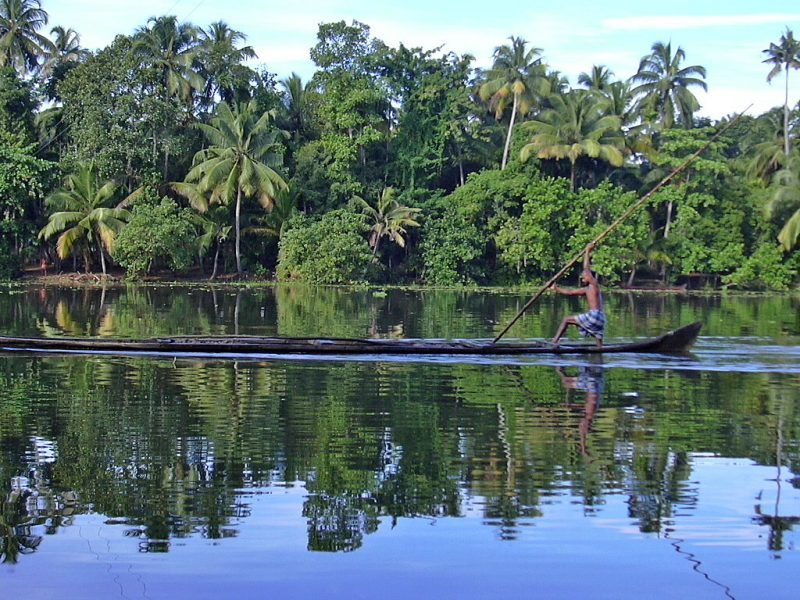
(158, 235)
(9, 264)
(766, 268)
(327, 250)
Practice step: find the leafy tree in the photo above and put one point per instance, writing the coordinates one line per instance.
(783, 56)
(160, 235)
(575, 125)
(16, 105)
(240, 161)
(351, 109)
(85, 215)
(327, 250)
(21, 44)
(25, 179)
(437, 125)
(662, 86)
(517, 76)
(121, 117)
(388, 218)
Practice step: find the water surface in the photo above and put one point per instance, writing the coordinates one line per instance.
(611, 477)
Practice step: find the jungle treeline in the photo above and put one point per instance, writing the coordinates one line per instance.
(175, 151)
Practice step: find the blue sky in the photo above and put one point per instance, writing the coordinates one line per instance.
(725, 37)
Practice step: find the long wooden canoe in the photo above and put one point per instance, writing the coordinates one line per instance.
(673, 342)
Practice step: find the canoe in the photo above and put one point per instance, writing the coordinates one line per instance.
(673, 342)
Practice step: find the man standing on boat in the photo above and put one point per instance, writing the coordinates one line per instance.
(592, 323)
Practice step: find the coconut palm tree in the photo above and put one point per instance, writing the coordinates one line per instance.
(518, 78)
(783, 56)
(21, 44)
(576, 124)
(172, 48)
(86, 214)
(768, 156)
(662, 86)
(785, 198)
(221, 57)
(599, 79)
(239, 163)
(295, 102)
(65, 49)
(389, 218)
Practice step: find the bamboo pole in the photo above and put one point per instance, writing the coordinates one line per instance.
(633, 208)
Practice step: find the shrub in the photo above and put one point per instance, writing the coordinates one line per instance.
(327, 250)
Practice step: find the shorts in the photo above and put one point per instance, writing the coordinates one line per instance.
(592, 324)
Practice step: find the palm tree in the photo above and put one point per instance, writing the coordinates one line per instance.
(517, 76)
(663, 86)
(576, 124)
(65, 49)
(239, 162)
(21, 44)
(786, 197)
(784, 55)
(389, 218)
(85, 214)
(172, 48)
(221, 58)
(295, 103)
(769, 155)
(599, 79)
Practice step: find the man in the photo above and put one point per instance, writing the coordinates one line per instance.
(592, 323)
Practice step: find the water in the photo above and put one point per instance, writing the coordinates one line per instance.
(613, 477)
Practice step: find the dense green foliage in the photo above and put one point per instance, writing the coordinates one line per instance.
(507, 171)
(330, 249)
(157, 236)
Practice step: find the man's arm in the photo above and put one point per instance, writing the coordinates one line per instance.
(563, 292)
(587, 257)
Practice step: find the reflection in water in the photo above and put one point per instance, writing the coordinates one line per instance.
(165, 453)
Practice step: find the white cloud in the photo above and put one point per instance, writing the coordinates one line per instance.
(695, 22)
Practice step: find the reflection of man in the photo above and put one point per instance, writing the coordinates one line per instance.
(589, 380)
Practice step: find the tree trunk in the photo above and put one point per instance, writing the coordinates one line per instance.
(786, 119)
(632, 276)
(216, 259)
(102, 258)
(238, 235)
(573, 176)
(510, 130)
(669, 219)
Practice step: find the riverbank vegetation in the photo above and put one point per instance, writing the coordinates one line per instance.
(174, 150)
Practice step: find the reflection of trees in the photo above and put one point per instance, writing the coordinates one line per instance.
(166, 448)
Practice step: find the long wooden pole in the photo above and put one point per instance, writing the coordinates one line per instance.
(633, 208)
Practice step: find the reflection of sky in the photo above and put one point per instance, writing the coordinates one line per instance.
(562, 554)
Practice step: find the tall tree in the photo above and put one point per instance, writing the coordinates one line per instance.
(64, 49)
(21, 44)
(517, 77)
(294, 101)
(171, 47)
(662, 86)
(85, 214)
(575, 125)
(221, 58)
(239, 163)
(600, 78)
(783, 56)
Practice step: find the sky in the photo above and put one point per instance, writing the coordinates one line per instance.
(727, 38)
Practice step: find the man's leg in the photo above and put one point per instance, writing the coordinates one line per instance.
(563, 327)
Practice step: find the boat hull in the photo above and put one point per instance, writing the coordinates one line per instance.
(674, 342)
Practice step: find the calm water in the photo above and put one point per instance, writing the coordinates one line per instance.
(525, 477)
